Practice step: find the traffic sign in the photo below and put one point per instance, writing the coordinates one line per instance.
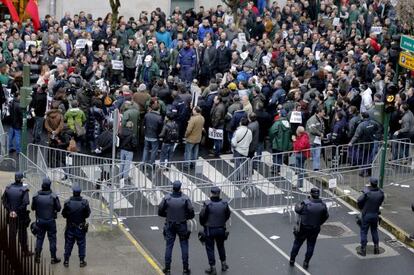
(406, 60)
(407, 43)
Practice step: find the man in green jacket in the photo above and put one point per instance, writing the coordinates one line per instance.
(148, 71)
(131, 113)
(75, 116)
(281, 138)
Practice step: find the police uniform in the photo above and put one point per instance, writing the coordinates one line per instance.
(15, 200)
(313, 213)
(76, 210)
(213, 217)
(369, 203)
(47, 205)
(177, 209)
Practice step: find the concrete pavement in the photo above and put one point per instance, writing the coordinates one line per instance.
(108, 252)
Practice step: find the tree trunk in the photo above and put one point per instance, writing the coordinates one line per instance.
(115, 4)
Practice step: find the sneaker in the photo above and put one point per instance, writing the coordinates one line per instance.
(224, 266)
(376, 249)
(55, 260)
(211, 270)
(292, 262)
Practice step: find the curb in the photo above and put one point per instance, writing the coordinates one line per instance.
(395, 230)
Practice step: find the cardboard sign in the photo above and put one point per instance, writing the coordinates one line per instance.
(336, 21)
(215, 133)
(29, 43)
(296, 117)
(117, 65)
(69, 160)
(332, 183)
(59, 60)
(80, 43)
(242, 38)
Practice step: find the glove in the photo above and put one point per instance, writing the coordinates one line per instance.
(98, 151)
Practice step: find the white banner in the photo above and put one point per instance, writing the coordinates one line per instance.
(376, 30)
(117, 65)
(215, 133)
(80, 44)
(59, 60)
(296, 117)
(336, 21)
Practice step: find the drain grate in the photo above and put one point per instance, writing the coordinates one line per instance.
(332, 230)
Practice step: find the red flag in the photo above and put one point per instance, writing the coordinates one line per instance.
(12, 10)
(32, 9)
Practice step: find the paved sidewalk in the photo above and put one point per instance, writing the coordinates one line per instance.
(108, 252)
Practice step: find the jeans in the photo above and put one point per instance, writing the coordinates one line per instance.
(316, 157)
(277, 159)
(218, 144)
(191, 151)
(300, 165)
(369, 221)
(73, 234)
(38, 129)
(167, 150)
(215, 235)
(171, 230)
(126, 158)
(14, 134)
(242, 169)
(150, 147)
(49, 227)
(309, 234)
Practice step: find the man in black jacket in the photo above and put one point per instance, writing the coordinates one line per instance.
(369, 203)
(153, 123)
(15, 130)
(38, 110)
(213, 216)
(47, 205)
(177, 209)
(312, 214)
(128, 144)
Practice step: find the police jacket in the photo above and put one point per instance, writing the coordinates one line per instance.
(46, 204)
(365, 132)
(76, 210)
(370, 201)
(16, 198)
(176, 208)
(215, 213)
(313, 212)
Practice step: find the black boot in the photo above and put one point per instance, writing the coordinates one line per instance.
(305, 264)
(186, 271)
(37, 257)
(167, 270)
(224, 266)
(55, 260)
(66, 263)
(362, 251)
(211, 270)
(292, 261)
(376, 249)
(83, 263)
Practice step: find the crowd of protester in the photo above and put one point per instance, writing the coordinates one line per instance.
(276, 78)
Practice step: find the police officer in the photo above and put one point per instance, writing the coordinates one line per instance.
(177, 209)
(76, 210)
(213, 217)
(312, 214)
(15, 200)
(47, 205)
(369, 203)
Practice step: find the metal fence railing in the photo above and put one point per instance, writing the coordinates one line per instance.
(13, 259)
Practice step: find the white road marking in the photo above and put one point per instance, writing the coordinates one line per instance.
(274, 246)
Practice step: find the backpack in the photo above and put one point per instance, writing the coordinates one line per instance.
(172, 132)
(107, 101)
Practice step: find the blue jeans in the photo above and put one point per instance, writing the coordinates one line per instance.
(126, 158)
(369, 221)
(38, 129)
(171, 230)
(191, 151)
(300, 165)
(73, 234)
(49, 227)
(218, 144)
(14, 135)
(167, 150)
(150, 150)
(316, 157)
(215, 235)
(277, 159)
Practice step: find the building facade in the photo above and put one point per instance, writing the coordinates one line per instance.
(129, 8)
